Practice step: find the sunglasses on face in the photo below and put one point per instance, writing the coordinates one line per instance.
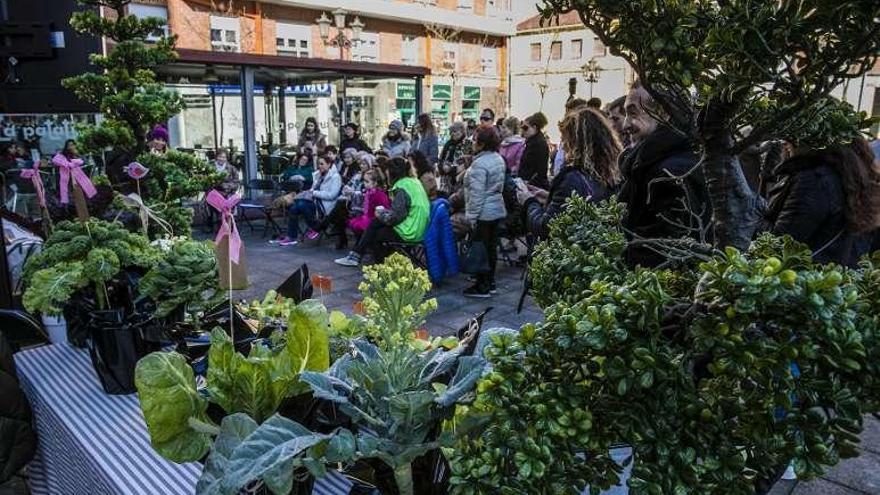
(484, 118)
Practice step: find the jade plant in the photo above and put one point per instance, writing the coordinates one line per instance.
(82, 256)
(253, 385)
(708, 371)
(184, 279)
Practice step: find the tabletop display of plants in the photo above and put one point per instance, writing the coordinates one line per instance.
(706, 371)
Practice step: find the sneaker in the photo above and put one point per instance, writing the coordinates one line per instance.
(477, 291)
(288, 242)
(312, 235)
(351, 260)
(279, 240)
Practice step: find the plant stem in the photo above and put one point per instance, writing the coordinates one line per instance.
(403, 478)
(202, 427)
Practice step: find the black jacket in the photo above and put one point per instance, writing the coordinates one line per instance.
(570, 181)
(534, 162)
(356, 143)
(655, 203)
(17, 438)
(808, 203)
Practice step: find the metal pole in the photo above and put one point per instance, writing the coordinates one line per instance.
(344, 99)
(418, 95)
(217, 142)
(282, 116)
(249, 127)
(861, 91)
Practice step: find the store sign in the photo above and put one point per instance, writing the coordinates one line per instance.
(406, 91)
(317, 90)
(46, 132)
(441, 92)
(471, 93)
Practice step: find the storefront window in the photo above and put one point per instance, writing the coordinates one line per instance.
(406, 102)
(441, 97)
(43, 133)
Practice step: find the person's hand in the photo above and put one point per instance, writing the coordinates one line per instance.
(539, 194)
(523, 195)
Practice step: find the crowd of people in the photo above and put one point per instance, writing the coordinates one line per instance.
(502, 179)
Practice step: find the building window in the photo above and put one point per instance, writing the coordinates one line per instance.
(293, 39)
(144, 11)
(367, 49)
(450, 55)
(465, 4)
(410, 49)
(599, 49)
(556, 50)
(224, 34)
(577, 49)
(536, 52)
(489, 60)
(470, 102)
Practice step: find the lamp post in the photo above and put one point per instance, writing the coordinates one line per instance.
(592, 70)
(340, 40)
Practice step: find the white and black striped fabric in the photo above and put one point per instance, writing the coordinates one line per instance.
(93, 443)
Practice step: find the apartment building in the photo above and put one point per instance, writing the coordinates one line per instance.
(388, 60)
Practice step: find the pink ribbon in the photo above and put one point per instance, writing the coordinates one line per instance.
(227, 221)
(66, 168)
(34, 175)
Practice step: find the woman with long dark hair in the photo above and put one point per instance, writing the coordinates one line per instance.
(426, 139)
(424, 171)
(591, 149)
(536, 156)
(405, 221)
(829, 200)
(312, 137)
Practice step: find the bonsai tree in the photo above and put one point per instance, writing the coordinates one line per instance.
(730, 74)
(125, 90)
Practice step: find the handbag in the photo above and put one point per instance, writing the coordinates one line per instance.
(476, 259)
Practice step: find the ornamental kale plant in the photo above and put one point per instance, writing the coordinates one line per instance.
(184, 279)
(717, 376)
(82, 256)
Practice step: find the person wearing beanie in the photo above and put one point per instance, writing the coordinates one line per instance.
(536, 156)
(351, 138)
(396, 143)
(157, 140)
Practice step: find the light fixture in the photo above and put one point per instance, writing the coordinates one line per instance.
(339, 18)
(324, 26)
(357, 27)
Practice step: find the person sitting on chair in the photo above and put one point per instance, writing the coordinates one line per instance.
(405, 221)
(321, 197)
(300, 170)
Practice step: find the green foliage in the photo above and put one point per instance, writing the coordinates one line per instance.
(169, 399)
(176, 175)
(77, 255)
(187, 271)
(394, 300)
(770, 65)
(712, 364)
(126, 91)
(254, 384)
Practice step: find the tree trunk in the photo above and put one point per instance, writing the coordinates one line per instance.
(734, 205)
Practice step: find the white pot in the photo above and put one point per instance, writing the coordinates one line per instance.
(56, 327)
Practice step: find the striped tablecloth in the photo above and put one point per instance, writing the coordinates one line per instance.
(91, 443)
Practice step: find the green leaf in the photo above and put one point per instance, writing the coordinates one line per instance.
(169, 399)
(233, 431)
(470, 368)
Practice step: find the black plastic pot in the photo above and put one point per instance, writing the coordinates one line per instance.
(114, 348)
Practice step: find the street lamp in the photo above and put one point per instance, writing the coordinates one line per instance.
(340, 40)
(592, 70)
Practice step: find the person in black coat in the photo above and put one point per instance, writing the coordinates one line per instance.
(829, 200)
(536, 157)
(352, 139)
(591, 151)
(658, 203)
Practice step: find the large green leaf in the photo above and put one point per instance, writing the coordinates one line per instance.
(234, 429)
(470, 368)
(308, 341)
(169, 399)
(269, 454)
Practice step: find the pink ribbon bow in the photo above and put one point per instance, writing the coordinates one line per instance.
(136, 171)
(227, 221)
(34, 175)
(66, 168)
